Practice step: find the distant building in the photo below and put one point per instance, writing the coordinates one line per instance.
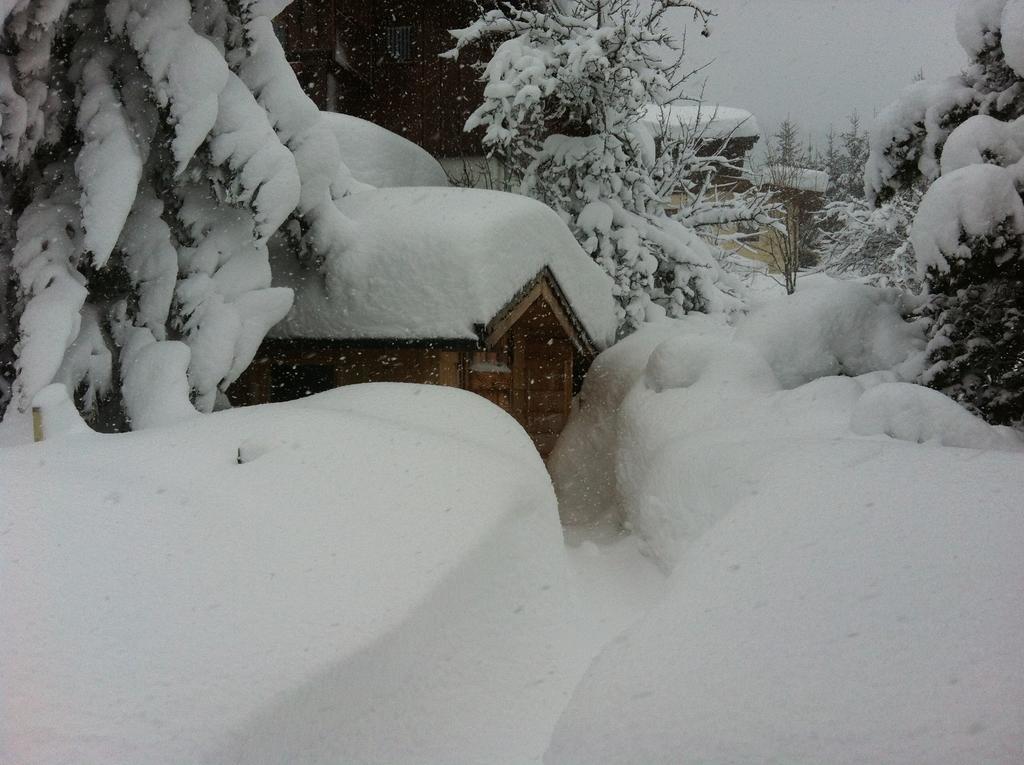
(708, 129)
(723, 130)
(801, 192)
(379, 60)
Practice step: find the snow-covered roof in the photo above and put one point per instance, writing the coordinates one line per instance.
(790, 177)
(380, 158)
(710, 120)
(437, 263)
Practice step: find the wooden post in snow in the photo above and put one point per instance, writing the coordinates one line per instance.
(37, 424)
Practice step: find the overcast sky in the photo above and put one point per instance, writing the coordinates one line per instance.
(817, 60)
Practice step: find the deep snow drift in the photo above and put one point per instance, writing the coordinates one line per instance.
(845, 587)
(380, 158)
(382, 580)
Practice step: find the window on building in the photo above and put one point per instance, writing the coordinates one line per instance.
(398, 43)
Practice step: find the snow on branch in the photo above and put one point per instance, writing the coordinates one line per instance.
(565, 93)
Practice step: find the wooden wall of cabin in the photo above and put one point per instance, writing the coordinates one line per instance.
(285, 370)
(528, 372)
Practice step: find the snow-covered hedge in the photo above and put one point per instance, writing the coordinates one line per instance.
(805, 366)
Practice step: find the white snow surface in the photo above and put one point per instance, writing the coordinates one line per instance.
(709, 120)
(435, 262)
(976, 23)
(377, 157)
(330, 580)
(354, 592)
(971, 200)
(839, 592)
(790, 177)
(922, 415)
(1011, 27)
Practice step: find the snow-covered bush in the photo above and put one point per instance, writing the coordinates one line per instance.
(148, 150)
(873, 242)
(856, 237)
(964, 136)
(693, 166)
(564, 94)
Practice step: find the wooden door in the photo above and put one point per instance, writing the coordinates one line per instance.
(548, 390)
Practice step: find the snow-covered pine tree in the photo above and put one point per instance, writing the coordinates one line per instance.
(858, 238)
(964, 136)
(564, 94)
(846, 174)
(786, 148)
(148, 151)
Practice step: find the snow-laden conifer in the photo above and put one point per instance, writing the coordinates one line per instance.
(563, 97)
(963, 136)
(149, 149)
(857, 237)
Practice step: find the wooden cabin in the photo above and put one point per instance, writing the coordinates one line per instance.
(529, 360)
(479, 290)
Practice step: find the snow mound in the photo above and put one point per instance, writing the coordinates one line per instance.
(860, 603)
(57, 413)
(437, 263)
(834, 596)
(972, 200)
(380, 158)
(830, 327)
(683, 362)
(917, 414)
(669, 380)
(286, 583)
(582, 464)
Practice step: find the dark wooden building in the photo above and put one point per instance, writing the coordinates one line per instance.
(380, 60)
(529, 360)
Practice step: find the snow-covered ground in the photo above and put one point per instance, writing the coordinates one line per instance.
(824, 567)
(844, 549)
(383, 580)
